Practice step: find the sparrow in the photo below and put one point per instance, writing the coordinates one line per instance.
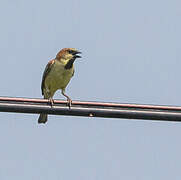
(57, 75)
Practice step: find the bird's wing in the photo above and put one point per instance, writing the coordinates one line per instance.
(73, 72)
(47, 70)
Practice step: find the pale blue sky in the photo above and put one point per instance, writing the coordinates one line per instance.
(131, 54)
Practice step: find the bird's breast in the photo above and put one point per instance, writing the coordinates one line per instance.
(59, 77)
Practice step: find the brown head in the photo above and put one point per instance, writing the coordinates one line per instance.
(68, 53)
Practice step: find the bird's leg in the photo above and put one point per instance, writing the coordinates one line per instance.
(47, 95)
(51, 101)
(68, 98)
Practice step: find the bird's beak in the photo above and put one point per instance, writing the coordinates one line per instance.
(76, 54)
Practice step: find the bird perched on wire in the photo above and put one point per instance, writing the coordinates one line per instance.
(57, 75)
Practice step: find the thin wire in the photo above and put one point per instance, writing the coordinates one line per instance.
(91, 109)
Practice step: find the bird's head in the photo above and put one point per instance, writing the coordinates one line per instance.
(68, 54)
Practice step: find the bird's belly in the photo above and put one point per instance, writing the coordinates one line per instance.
(58, 78)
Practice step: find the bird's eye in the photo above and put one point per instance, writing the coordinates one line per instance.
(71, 52)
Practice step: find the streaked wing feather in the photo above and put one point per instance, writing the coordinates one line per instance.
(46, 71)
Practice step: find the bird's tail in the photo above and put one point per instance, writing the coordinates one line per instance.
(42, 118)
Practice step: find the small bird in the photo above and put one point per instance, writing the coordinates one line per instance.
(57, 75)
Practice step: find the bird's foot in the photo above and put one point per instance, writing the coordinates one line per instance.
(69, 102)
(51, 101)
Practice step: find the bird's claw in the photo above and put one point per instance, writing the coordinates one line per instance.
(51, 101)
(69, 102)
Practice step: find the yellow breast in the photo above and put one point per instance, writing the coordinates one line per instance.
(58, 77)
